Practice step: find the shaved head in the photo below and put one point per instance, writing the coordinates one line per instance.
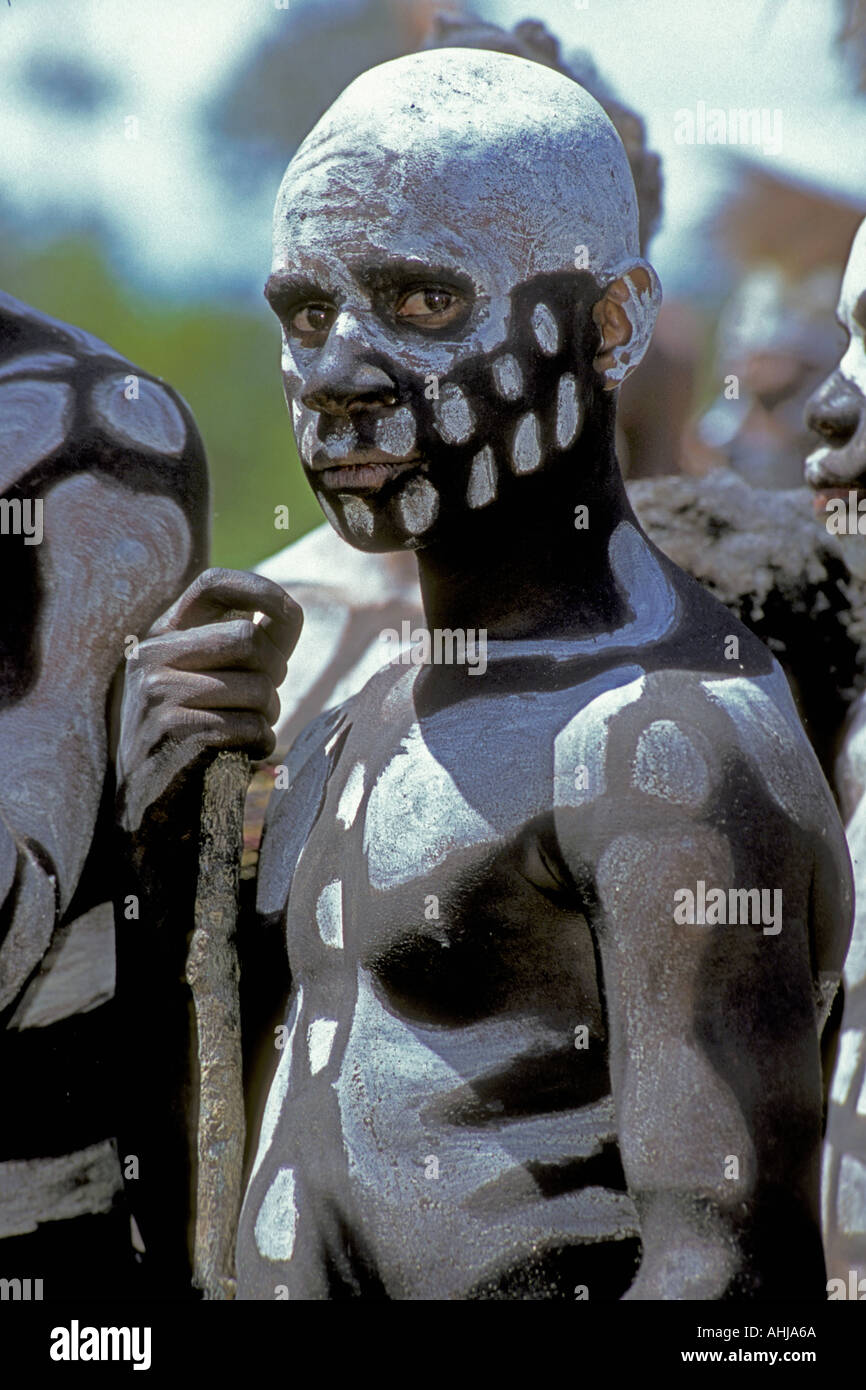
(458, 277)
(523, 150)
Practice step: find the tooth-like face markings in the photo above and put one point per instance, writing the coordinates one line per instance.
(526, 448)
(450, 176)
(454, 419)
(508, 377)
(418, 505)
(475, 429)
(482, 479)
(545, 330)
(359, 517)
(308, 440)
(397, 434)
(567, 411)
(340, 443)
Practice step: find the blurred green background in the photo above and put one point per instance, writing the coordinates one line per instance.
(223, 360)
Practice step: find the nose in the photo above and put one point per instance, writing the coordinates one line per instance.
(835, 411)
(341, 382)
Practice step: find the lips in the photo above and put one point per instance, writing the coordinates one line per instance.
(366, 475)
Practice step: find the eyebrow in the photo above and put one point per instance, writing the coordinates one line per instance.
(404, 268)
(283, 287)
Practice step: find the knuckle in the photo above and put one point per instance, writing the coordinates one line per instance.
(210, 578)
(246, 638)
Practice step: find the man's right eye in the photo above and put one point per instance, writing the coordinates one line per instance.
(312, 319)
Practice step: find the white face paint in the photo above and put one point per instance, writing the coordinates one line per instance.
(526, 446)
(473, 171)
(396, 435)
(852, 294)
(309, 440)
(839, 404)
(482, 479)
(567, 411)
(337, 446)
(536, 147)
(358, 515)
(454, 419)
(508, 377)
(545, 328)
(418, 505)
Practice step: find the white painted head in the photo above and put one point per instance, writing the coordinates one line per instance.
(442, 239)
(837, 410)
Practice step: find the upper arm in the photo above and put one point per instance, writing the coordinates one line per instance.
(712, 1028)
(121, 525)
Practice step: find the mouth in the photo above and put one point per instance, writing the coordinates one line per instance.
(825, 474)
(367, 475)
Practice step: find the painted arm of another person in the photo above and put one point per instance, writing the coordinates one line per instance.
(844, 1182)
(109, 559)
(714, 1027)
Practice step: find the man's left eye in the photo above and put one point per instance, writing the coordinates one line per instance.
(431, 306)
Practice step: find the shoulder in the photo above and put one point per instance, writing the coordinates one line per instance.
(690, 740)
(66, 389)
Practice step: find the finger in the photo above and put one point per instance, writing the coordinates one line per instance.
(238, 644)
(238, 690)
(210, 729)
(217, 591)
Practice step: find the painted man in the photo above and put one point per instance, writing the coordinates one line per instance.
(837, 471)
(515, 1062)
(103, 516)
(350, 597)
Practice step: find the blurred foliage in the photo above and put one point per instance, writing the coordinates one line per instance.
(303, 61)
(222, 358)
(68, 84)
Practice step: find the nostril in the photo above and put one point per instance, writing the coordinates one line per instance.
(835, 411)
(837, 427)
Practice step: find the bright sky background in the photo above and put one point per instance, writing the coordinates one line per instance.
(170, 215)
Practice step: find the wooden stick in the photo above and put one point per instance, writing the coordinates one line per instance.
(212, 973)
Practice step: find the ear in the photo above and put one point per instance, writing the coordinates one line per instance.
(626, 315)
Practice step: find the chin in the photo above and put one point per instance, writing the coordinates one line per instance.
(403, 515)
(384, 544)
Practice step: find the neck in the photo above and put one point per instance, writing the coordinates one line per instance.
(522, 568)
